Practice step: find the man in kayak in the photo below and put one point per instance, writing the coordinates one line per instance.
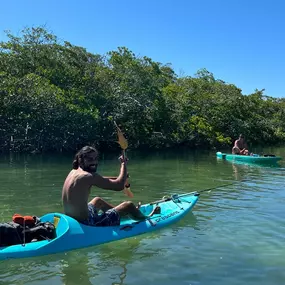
(240, 146)
(77, 187)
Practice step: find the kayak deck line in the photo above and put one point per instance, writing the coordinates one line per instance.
(71, 235)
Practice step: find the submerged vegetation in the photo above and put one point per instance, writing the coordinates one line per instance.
(56, 96)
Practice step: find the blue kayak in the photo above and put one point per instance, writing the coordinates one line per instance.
(249, 158)
(70, 234)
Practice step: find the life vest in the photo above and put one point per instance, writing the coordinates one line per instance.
(25, 229)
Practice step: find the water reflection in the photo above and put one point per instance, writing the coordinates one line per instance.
(89, 266)
(234, 233)
(75, 269)
(86, 266)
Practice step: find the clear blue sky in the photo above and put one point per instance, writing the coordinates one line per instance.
(239, 41)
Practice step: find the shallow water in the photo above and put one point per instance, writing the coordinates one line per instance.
(234, 235)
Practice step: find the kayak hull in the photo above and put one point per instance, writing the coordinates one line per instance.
(249, 158)
(70, 234)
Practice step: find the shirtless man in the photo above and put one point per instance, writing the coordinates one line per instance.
(77, 187)
(240, 146)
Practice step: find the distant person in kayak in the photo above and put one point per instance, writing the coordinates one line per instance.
(240, 146)
(77, 188)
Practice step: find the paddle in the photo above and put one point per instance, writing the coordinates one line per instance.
(124, 145)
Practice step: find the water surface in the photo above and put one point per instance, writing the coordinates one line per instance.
(234, 235)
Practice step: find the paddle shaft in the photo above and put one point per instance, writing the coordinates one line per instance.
(124, 156)
(127, 189)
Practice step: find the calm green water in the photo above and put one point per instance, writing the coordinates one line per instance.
(235, 234)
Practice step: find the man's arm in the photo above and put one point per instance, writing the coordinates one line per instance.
(110, 177)
(110, 183)
(236, 144)
(113, 177)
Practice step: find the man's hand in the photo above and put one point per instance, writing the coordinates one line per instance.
(123, 159)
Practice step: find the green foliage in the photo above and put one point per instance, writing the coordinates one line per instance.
(55, 96)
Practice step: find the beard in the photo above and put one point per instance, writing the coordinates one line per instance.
(92, 168)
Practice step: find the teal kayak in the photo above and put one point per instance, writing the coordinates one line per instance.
(249, 158)
(70, 234)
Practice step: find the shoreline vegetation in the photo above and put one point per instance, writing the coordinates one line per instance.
(57, 97)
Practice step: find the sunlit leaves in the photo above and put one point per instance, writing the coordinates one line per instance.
(58, 96)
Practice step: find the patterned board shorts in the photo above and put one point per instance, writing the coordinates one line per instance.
(108, 218)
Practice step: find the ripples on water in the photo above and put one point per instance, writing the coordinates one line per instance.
(235, 234)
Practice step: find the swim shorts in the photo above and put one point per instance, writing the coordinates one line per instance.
(106, 219)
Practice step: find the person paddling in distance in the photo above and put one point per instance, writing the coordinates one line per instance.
(240, 146)
(77, 188)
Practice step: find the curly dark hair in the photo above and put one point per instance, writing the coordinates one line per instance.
(81, 154)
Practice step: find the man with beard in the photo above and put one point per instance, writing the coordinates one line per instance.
(77, 187)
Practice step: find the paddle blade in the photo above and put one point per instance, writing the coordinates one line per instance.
(121, 139)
